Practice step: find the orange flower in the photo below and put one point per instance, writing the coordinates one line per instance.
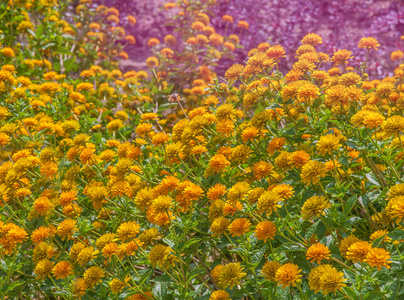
(341, 56)
(239, 226)
(287, 275)
(378, 257)
(62, 269)
(317, 252)
(265, 230)
(368, 43)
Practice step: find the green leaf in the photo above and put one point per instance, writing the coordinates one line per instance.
(320, 231)
(189, 243)
(155, 90)
(257, 256)
(160, 290)
(397, 234)
(196, 272)
(349, 204)
(163, 278)
(378, 241)
(39, 30)
(373, 295)
(350, 292)
(396, 286)
(311, 230)
(372, 178)
(323, 119)
(364, 200)
(351, 145)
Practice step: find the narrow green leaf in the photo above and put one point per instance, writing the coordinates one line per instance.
(373, 295)
(397, 234)
(349, 204)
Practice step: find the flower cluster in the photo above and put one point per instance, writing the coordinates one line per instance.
(252, 186)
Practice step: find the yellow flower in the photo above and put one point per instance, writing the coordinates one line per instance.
(149, 235)
(152, 42)
(268, 202)
(218, 162)
(393, 125)
(160, 138)
(349, 79)
(315, 206)
(288, 274)
(358, 251)
(67, 197)
(159, 254)
(4, 139)
(298, 159)
(327, 143)
(331, 281)
(326, 278)
(276, 52)
(315, 275)
(92, 276)
(43, 268)
(219, 226)
(313, 171)
(143, 129)
(116, 285)
(304, 65)
(66, 229)
(312, 39)
(7, 51)
(216, 39)
(216, 191)
(86, 255)
(152, 62)
(227, 18)
(127, 230)
(317, 252)
(269, 270)
(261, 169)
(373, 119)
(308, 92)
(40, 234)
(257, 63)
(234, 72)
(42, 205)
(282, 161)
(114, 125)
(336, 95)
(285, 191)
(79, 287)
(396, 55)
(276, 144)
(167, 52)
(378, 234)
(230, 275)
(346, 243)
(243, 24)
(341, 56)
(396, 208)
(219, 295)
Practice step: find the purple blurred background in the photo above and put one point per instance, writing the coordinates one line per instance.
(341, 23)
